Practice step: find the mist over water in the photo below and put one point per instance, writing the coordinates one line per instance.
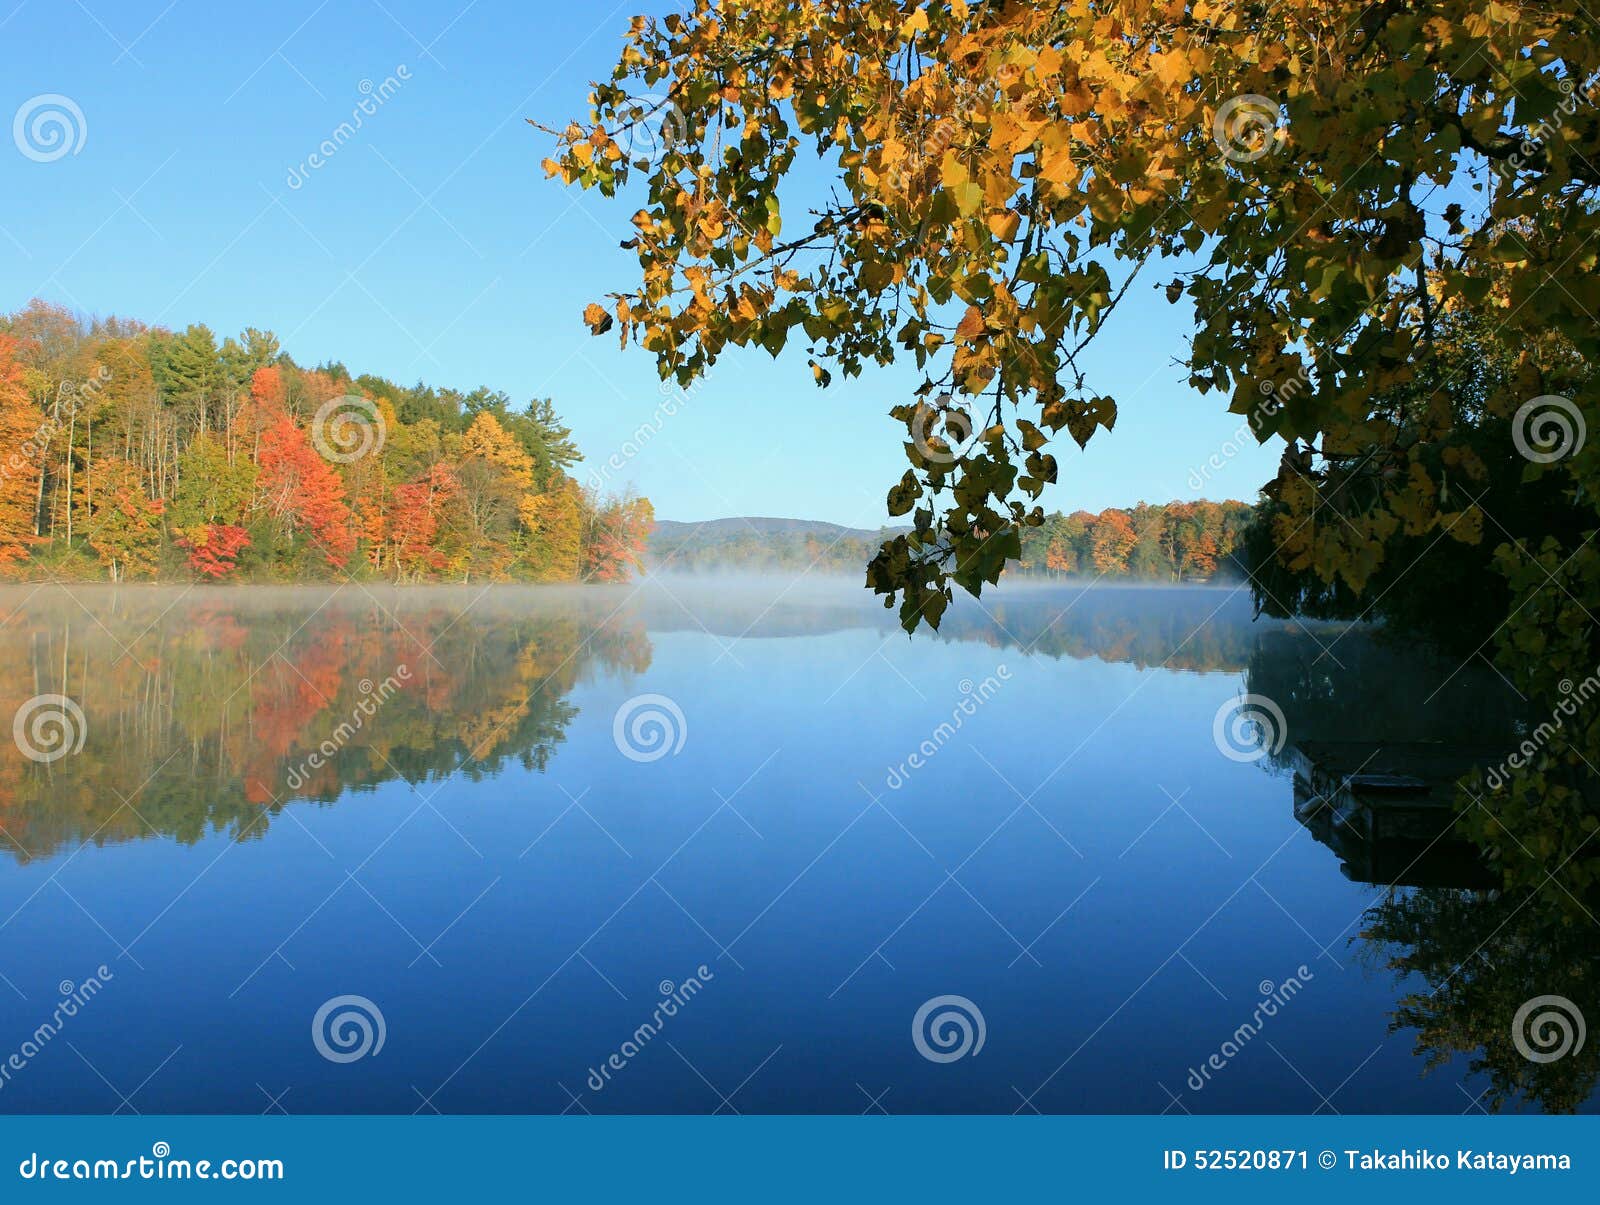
(508, 817)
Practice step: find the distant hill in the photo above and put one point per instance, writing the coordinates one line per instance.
(757, 543)
(719, 530)
(1179, 541)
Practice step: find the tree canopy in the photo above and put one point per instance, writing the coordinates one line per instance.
(1325, 186)
(1329, 177)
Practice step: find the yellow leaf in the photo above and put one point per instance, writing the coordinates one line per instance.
(1004, 225)
(971, 325)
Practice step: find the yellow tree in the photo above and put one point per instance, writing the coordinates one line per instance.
(489, 441)
(1325, 175)
(554, 521)
(20, 450)
(1330, 183)
(124, 524)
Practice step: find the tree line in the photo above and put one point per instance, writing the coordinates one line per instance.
(1166, 542)
(133, 451)
(1174, 542)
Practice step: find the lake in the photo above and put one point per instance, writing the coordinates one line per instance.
(713, 845)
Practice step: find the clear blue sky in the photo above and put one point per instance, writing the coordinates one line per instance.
(431, 247)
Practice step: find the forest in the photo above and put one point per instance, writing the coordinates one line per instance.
(1169, 542)
(1175, 542)
(133, 451)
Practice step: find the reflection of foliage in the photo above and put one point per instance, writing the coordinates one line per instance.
(1482, 957)
(1203, 630)
(206, 717)
(1368, 688)
(1176, 627)
(1518, 578)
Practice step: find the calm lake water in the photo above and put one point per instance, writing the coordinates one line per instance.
(514, 822)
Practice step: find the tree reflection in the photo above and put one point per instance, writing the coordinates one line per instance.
(211, 711)
(1482, 957)
(1469, 955)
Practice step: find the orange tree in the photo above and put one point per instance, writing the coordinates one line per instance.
(1327, 181)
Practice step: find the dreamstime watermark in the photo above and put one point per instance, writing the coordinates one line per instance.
(648, 727)
(48, 127)
(1273, 997)
(348, 1028)
(1548, 1028)
(948, 1028)
(672, 401)
(74, 996)
(1548, 428)
(655, 124)
(345, 429)
(1531, 145)
(71, 396)
(49, 727)
(1248, 433)
(1248, 127)
(372, 698)
(673, 998)
(1249, 728)
(1523, 755)
(373, 98)
(947, 423)
(925, 152)
(972, 698)
(157, 1165)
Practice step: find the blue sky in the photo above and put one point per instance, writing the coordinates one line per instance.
(431, 247)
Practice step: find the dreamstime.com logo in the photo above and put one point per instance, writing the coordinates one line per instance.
(373, 97)
(1249, 728)
(948, 1028)
(1548, 428)
(49, 127)
(348, 1028)
(649, 727)
(48, 728)
(1574, 697)
(347, 428)
(372, 698)
(972, 698)
(1548, 1028)
(157, 1165)
(71, 398)
(1248, 433)
(673, 397)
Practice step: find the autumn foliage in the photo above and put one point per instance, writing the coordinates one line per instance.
(139, 452)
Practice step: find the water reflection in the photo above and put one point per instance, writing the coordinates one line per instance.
(1382, 734)
(218, 707)
(1483, 958)
(210, 711)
